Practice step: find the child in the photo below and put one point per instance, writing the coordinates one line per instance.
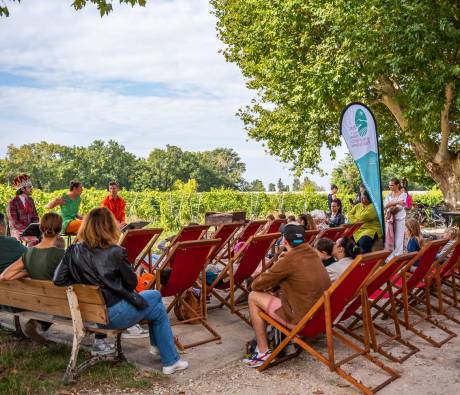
(414, 235)
(324, 248)
(452, 233)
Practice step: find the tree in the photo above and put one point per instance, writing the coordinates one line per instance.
(307, 60)
(346, 175)
(280, 185)
(256, 186)
(271, 187)
(104, 6)
(310, 184)
(296, 184)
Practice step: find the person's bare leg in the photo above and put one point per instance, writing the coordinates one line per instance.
(259, 301)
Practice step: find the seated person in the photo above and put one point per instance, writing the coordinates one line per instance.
(452, 234)
(370, 230)
(336, 218)
(287, 290)
(98, 260)
(70, 205)
(39, 262)
(344, 251)
(115, 203)
(10, 248)
(413, 235)
(324, 248)
(320, 219)
(306, 221)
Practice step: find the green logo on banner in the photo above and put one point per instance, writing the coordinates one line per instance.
(361, 122)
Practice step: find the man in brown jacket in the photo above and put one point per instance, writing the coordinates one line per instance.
(287, 290)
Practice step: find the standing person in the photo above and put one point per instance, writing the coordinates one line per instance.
(370, 230)
(336, 218)
(287, 290)
(10, 248)
(332, 196)
(115, 203)
(395, 218)
(98, 260)
(408, 199)
(70, 205)
(21, 210)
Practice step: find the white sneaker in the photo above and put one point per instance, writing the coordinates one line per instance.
(102, 347)
(154, 350)
(135, 332)
(179, 365)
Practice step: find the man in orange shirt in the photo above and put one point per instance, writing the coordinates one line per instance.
(115, 203)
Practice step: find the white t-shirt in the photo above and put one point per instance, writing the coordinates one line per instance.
(337, 268)
(401, 214)
(23, 199)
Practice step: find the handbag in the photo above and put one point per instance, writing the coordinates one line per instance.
(184, 313)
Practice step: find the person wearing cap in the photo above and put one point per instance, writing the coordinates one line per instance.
(21, 210)
(300, 279)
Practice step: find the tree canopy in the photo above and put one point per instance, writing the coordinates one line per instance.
(104, 6)
(307, 59)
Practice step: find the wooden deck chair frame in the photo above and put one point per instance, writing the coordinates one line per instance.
(407, 295)
(332, 233)
(381, 277)
(201, 231)
(310, 236)
(275, 226)
(224, 249)
(178, 297)
(140, 254)
(350, 229)
(324, 306)
(444, 274)
(229, 300)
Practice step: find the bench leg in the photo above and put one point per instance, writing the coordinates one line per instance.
(18, 332)
(72, 371)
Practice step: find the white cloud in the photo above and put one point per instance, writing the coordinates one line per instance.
(82, 65)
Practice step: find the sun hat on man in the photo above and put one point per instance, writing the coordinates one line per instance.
(294, 234)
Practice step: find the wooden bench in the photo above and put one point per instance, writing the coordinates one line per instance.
(83, 304)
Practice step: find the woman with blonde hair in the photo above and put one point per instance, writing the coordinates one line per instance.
(98, 260)
(414, 235)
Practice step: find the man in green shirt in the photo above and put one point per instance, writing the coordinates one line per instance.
(10, 249)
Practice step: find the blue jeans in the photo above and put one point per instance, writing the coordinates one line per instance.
(123, 315)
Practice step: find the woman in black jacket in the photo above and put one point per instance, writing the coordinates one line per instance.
(98, 260)
(336, 218)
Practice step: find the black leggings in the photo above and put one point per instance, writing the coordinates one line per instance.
(366, 243)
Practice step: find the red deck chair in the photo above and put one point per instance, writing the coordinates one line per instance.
(275, 226)
(187, 233)
(332, 233)
(187, 260)
(247, 260)
(250, 230)
(310, 236)
(350, 229)
(380, 278)
(138, 244)
(407, 293)
(225, 233)
(321, 317)
(444, 274)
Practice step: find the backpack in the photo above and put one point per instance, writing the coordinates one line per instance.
(182, 312)
(274, 338)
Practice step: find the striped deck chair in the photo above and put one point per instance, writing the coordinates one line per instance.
(382, 277)
(321, 317)
(332, 233)
(238, 269)
(407, 293)
(187, 260)
(138, 244)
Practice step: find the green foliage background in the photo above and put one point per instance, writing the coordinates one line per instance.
(171, 210)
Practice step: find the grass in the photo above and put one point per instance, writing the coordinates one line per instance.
(27, 368)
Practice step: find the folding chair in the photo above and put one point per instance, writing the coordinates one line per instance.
(275, 226)
(324, 313)
(246, 260)
(225, 233)
(407, 293)
(310, 235)
(138, 244)
(331, 233)
(187, 260)
(251, 228)
(444, 273)
(187, 233)
(350, 229)
(381, 276)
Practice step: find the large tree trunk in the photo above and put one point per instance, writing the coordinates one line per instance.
(447, 174)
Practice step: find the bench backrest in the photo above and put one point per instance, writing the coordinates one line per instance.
(45, 297)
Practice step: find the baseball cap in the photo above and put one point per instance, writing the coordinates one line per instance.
(294, 234)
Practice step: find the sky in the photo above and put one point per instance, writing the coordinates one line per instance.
(145, 77)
